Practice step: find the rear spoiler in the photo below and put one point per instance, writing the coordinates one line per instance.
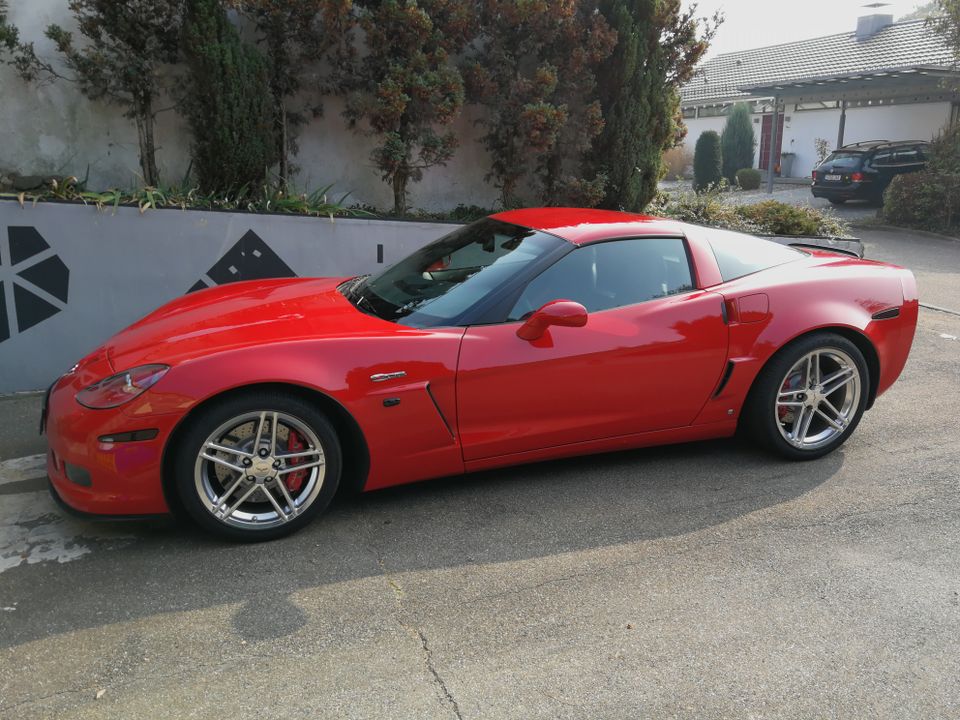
(847, 246)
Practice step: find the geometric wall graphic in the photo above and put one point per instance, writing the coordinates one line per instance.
(249, 259)
(34, 282)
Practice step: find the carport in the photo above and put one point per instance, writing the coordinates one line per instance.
(893, 86)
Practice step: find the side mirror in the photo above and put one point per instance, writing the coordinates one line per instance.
(564, 313)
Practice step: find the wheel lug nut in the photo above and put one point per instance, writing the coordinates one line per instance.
(276, 463)
(264, 452)
(247, 462)
(251, 478)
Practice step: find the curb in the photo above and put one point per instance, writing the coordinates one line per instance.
(897, 228)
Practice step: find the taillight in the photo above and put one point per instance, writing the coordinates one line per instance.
(814, 175)
(121, 388)
(856, 177)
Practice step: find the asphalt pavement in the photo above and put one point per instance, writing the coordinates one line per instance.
(701, 581)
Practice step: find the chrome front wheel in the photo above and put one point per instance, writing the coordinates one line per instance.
(257, 466)
(259, 470)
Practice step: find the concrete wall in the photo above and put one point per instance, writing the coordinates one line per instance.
(53, 129)
(71, 276)
(915, 121)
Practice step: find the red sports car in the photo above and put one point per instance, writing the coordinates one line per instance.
(528, 335)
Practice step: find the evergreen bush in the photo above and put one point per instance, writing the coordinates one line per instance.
(737, 142)
(707, 162)
(227, 102)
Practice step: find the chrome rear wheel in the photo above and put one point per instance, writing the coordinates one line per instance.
(809, 397)
(818, 398)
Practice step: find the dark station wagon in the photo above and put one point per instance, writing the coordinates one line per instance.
(862, 171)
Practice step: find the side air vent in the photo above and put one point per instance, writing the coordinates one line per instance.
(725, 379)
(887, 314)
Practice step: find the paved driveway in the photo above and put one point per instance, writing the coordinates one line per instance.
(699, 581)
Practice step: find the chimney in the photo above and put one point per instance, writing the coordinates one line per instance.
(870, 25)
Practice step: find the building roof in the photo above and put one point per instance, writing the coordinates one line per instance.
(899, 46)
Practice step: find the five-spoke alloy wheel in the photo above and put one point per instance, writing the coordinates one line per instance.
(810, 397)
(257, 466)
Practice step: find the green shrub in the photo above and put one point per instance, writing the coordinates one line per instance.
(925, 200)
(770, 217)
(738, 141)
(778, 218)
(707, 162)
(748, 179)
(706, 208)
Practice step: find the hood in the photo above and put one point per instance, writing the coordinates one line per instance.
(237, 315)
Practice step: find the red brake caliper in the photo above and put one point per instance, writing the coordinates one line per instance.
(295, 480)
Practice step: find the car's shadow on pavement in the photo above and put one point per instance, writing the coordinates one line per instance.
(528, 512)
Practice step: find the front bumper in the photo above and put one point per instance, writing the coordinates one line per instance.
(97, 477)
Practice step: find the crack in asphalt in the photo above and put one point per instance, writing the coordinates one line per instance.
(414, 631)
(938, 308)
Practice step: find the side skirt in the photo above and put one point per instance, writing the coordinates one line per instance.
(691, 433)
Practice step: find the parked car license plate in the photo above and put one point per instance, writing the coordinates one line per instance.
(833, 178)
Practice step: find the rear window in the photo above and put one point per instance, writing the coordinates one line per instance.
(738, 255)
(844, 159)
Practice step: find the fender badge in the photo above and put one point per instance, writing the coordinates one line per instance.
(383, 377)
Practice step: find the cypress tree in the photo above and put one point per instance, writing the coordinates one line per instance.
(707, 161)
(657, 50)
(227, 102)
(737, 142)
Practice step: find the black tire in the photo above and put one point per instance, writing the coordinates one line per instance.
(760, 420)
(208, 419)
(837, 201)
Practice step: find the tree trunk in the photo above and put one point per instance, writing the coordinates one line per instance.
(284, 142)
(400, 192)
(148, 150)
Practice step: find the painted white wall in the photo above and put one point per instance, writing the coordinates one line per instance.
(697, 126)
(53, 129)
(919, 121)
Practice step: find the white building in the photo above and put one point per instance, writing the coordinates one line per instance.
(883, 81)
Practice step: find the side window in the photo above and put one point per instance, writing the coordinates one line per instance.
(611, 274)
(907, 156)
(882, 159)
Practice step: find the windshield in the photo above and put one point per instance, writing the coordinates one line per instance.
(844, 159)
(438, 283)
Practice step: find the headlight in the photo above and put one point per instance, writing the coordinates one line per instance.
(121, 388)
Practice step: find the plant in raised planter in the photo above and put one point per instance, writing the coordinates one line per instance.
(406, 92)
(294, 35)
(534, 74)
(128, 48)
(227, 101)
(658, 47)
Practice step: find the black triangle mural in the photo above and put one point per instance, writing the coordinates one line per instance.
(249, 259)
(31, 310)
(37, 286)
(50, 275)
(25, 242)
